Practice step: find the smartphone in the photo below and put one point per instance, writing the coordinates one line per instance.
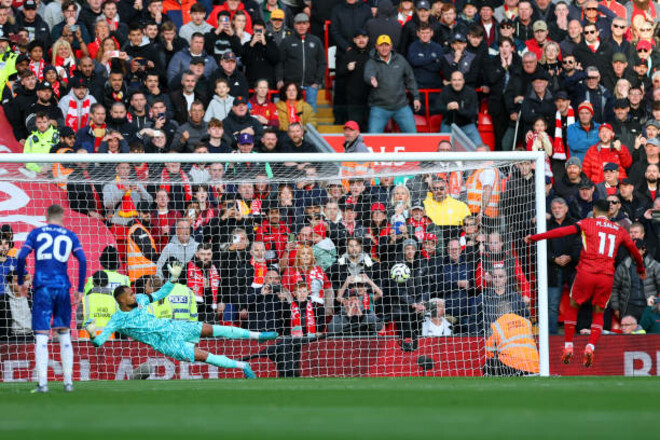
(158, 133)
(225, 19)
(192, 213)
(258, 31)
(114, 54)
(160, 115)
(74, 28)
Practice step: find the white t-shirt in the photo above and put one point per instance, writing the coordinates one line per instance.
(189, 100)
(430, 329)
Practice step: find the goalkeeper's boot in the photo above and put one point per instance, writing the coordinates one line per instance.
(40, 389)
(567, 355)
(268, 336)
(249, 374)
(588, 359)
(68, 388)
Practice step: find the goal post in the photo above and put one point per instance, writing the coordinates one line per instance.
(395, 343)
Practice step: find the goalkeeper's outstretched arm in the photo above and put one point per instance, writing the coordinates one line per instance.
(102, 337)
(175, 270)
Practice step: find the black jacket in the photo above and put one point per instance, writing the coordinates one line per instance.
(409, 32)
(302, 62)
(345, 20)
(356, 92)
(233, 124)
(385, 23)
(238, 85)
(602, 58)
(468, 105)
(260, 61)
(180, 105)
(569, 245)
(495, 79)
(534, 107)
(39, 27)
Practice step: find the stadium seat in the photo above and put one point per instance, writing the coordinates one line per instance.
(421, 124)
(435, 121)
(485, 125)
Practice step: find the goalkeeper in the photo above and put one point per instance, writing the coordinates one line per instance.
(176, 339)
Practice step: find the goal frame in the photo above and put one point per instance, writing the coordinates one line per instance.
(538, 157)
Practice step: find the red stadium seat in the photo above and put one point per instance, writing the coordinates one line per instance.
(485, 126)
(422, 124)
(435, 121)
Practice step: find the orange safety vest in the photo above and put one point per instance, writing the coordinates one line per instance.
(455, 181)
(353, 170)
(61, 172)
(513, 342)
(475, 193)
(138, 264)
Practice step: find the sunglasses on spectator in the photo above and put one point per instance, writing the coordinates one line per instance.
(593, 77)
(590, 32)
(613, 202)
(646, 29)
(568, 62)
(643, 50)
(619, 26)
(591, 9)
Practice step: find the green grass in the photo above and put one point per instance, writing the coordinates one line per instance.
(311, 409)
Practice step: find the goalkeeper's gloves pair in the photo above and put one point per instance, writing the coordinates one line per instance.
(175, 270)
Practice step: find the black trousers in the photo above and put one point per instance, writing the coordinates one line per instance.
(495, 367)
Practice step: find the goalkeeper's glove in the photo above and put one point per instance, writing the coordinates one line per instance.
(175, 270)
(90, 326)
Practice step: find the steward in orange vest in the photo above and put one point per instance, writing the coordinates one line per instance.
(511, 348)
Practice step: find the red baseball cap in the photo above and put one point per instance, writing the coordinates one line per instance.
(643, 44)
(352, 125)
(605, 126)
(430, 237)
(378, 207)
(320, 229)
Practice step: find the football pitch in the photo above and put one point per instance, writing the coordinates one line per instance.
(359, 408)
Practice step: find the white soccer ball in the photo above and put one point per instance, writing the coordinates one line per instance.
(400, 273)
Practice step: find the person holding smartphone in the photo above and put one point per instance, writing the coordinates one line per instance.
(260, 55)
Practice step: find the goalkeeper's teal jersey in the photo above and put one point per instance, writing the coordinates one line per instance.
(164, 335)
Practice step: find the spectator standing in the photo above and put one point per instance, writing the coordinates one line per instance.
(276, 26)
(260, 56)
(196, 23)
(584, 133)
(193, 132)
(389, 75)
(204, 281)
(351, 68)
(302, 60)
(238, 85)
(180, 61)
(608, 150)
(182, 246)
(385, 23)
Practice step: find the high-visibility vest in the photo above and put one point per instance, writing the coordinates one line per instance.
(138, 264)
(161, 309)
(115, 279)
(183, 304)
(99, 307)
(475, 192)
(40, 143)
(513, 342)
(455, 181)
(61, 172)
(354, 170)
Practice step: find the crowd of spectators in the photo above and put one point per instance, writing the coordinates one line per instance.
(311, 255)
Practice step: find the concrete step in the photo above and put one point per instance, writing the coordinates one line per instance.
(326, 120)
(330, 129)
(324, 112)
(321, 99)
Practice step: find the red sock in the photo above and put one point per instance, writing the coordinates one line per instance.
(570, 321)
(596, 327)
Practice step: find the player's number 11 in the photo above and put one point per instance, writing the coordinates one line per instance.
(604, 238)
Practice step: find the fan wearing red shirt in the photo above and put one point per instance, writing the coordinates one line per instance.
(601, 239)
(274, 233)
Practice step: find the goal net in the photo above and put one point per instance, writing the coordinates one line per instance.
(410, 265)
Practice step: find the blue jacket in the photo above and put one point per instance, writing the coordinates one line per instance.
(579, 140)
(426, 61)
(5, 267)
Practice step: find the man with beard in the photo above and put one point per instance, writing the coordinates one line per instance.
(118, 120)
(204, 280)
(647, 191)
(45, 103)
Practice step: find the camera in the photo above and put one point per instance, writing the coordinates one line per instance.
(655, 215)
(258, 31)
(160, 115)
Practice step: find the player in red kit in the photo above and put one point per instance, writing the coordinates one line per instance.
(595, 272)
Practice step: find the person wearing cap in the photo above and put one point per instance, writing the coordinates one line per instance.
(238, 85)
(583, 133)
(540, 39)
(610, 185)
(390, 77)
(566, 186)
(630, 294)
(625, 129)
(538, 103)
(46, 104)
(458, 59)
(351, 69)
(629, 203)
(302, 60)
(607, 150)
(245, 145)
(180, 61)
(30, 19)
(76, 105)
(276, 26)
(353, 141)
(40, 140)
(240, 121)
(582, 205)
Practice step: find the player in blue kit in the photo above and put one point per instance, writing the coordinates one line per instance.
(53, 244)
(176, 339)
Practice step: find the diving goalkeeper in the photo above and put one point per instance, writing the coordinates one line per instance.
(172, 338)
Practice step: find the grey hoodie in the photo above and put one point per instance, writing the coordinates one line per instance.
(218, 108)
(182, 252)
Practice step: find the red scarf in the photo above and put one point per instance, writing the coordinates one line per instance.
(260, 268)
(509, 13)
(296, 323)
(559, 150)
(165, 178)
(38, 69)
(97, 200)
(293, 114)
(56, 89)
(419, 227)
(98, 131)
(127, 207)
(142, 171)
(198, 283)
(75, 119)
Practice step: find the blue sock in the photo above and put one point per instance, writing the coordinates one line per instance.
(223, 361)
(229, 332)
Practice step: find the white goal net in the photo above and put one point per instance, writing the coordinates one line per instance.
(412, 265)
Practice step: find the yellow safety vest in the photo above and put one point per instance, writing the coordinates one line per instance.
(115, 279)
(138, 264)
(182, 301)
(99, 307)
(161, 309)
(475, 193)
(513, 341)
(38, 142)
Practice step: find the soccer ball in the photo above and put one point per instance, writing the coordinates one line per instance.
(400, 273)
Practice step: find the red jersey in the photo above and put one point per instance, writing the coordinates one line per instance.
(601, 239)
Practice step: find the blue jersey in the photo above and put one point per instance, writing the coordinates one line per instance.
(53, 245)
(5, 267)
